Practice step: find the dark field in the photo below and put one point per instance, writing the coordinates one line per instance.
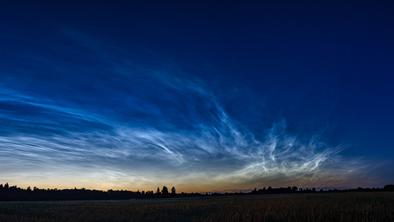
(290, 207)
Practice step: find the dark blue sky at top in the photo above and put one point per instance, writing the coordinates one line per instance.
(325, 69)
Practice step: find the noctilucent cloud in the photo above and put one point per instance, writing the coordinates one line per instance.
(206, 97)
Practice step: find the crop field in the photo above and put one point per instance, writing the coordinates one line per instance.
(374, 207)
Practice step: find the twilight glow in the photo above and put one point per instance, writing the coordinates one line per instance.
(82, 107)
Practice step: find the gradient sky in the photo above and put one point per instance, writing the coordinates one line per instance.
(203, 96)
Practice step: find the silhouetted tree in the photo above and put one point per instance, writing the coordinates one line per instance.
(173, 191)
(294, 189)
(164, 191)
(389, 187)
(158, 191)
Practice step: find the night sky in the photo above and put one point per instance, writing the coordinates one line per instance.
(203, 96)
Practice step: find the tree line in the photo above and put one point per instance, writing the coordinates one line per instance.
(11, 193)
(8, 192)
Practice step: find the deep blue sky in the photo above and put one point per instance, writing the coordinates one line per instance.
(237, 95)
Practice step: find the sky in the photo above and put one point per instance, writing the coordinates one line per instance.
(204, 96)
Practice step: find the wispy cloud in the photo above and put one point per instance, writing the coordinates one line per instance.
(138, 128)
(214, 148)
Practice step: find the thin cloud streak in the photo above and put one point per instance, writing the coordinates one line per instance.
(214, 149)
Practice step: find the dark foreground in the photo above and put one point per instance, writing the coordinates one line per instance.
(287, 207)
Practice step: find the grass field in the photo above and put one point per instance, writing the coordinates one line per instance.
(378, 207)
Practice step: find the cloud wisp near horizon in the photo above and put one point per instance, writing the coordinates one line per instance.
(116, 126)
